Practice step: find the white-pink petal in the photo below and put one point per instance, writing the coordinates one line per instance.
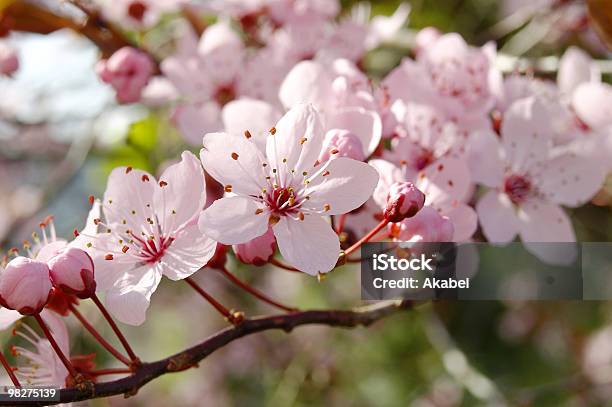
(180, 195)
(346, 185)
(130, 296)
(256, 116)
(234, 220)
(310, 245)
(592, 102)
(497, 217)
(235, 162)
(485, 159)
(190, 251)
(364, 124)
(576, 67)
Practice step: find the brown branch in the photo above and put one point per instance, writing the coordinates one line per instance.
(188, 358)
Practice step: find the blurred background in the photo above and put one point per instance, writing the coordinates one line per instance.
(61, 132)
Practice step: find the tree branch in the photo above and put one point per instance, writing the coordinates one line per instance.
(189, 358)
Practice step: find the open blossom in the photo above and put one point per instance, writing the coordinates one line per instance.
(9, 61)
(128, 71)
(137, 14)
(447, 187)
(529, 179)
(25, 285)
(42, 366)
(285, 189)
(149, 231)
(425, 137)
(458, 79)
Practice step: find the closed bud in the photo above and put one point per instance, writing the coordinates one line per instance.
(128, 71)
(72, 271)
(25, 285)
(258, 251)
(403, 201)
(341, 143)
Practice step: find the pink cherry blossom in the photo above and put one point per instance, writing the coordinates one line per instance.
(149, 231)
(9, 60)
(284, 189)
(25, 285)
(426, 37)
(425, 137)
(137, 14)
(529, 179)
(257, 251)
(459, 79)
(42, 366)
(128, 70)
(447, 187)
(72, 270)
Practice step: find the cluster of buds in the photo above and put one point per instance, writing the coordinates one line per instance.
(26, 285)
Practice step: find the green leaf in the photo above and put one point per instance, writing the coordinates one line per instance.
(142, 135)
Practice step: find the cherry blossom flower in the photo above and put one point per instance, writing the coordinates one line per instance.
(459, 79)
(72, 271)
(42, 365)
(529, 179)
(149, 231)
(425, 137)
(447, 186)
(128, 70)
(9, 60)
(284, 189)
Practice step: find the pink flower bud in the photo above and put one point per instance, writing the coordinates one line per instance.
(258, 251)
(404, 200)
(9, 61)
(427, 226)
(128, 71)
(341, 143)
(72, 271)
(25, 285)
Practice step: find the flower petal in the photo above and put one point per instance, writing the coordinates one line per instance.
(307, 82)
(127, 195)
(234, 161)
(388, 174)
(450, 175)
(180, 195)
(347, 185)
(190, 251)
(526, 133)
(592, 102)
(130, 296)
(572, 178)
(8, 318)
(497, 217)
(576, 67)
(256, 116)
(547, 223)
(464, 219)
(194, 120)
(485, 160)
(310, 245)
(233, 220)
(297, 141)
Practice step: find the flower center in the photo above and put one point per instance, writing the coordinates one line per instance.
(425, 158)
(152, 249)
(282, 201)
(517, 187)
(225, 94)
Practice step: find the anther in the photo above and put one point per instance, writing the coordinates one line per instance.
(108, 257)
(273, 131)
(145, 178)
(234, 156)
(247, 134)
(228, 188)
(163, 183)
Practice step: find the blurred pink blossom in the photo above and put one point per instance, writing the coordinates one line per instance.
(9, 59)
(128, 71)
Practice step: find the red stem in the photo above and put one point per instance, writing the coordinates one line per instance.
(71, 370)
(99, 337)
(367, 237)
(227, 314)
(9, 370)
(282, 265)
(115, 328)
(341, 222)
(254, 292)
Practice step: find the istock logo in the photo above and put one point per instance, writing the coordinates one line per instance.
(383, 262)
